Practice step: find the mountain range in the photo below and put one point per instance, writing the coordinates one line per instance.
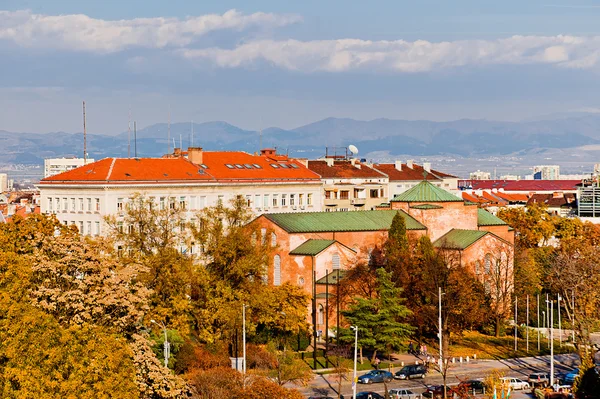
(465, 138)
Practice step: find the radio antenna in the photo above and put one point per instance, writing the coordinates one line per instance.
(135, 138)
(129, 135)
(169, 133)
(84, 137)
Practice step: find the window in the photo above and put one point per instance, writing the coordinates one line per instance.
(97, 228)
(284, 166)
(65, 204)
(248, 166)
(80, 226)
(335, 261)
(274, 166)
(257, 200)
(193, 202)
(89, 204)
(171, 203)
(120, 227)
(300, 199)
(275, 200)
(266, 201)
(80, 201)
(283, 199)
(273, 239)
(237, 165)
(130, 229)
(50, 205)
(57, 204)
(257, 166)
(293, 165)
(229, 166)
(203, 166)
(161, 203)
(320, 314)
(97, 204)
(202, 203)
(263, 236)
(248, 200)
(89, 228)
(344, 195)
(277, 270)
(182, 203)
(119, 204)
(309, 199)
(73, 204)
(487, 268)
(374, 193)
(292, 199)
(220, 199)
(327, 194)
(477, 268)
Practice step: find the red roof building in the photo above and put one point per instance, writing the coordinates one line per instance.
(403, 176)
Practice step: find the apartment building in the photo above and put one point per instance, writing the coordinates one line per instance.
(350, 185)
(192, 180)
(54, 166)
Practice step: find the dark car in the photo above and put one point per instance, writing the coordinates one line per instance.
(437, 392)
(570, 376)
(368, 395)
(411, 371)
(470, 387)
(375, 376)
(325, 397)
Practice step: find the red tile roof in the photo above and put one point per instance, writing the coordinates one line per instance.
(521, 185)
(408, 174)
(473, 198)
(343, 169)
(568, 199)
(214, 168)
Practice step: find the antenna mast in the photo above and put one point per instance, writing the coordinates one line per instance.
(84, 137)
(129, 135)
(169, 133)
(135, 138)
(260, 140)
(192, 144)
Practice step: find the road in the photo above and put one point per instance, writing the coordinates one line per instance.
(520, 368)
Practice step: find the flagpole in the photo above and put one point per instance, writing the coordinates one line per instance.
(527, 324)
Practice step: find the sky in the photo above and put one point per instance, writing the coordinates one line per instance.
(257, 64)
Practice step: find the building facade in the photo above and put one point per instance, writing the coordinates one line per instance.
(350, 185)
(404, 176)
(479, 175)
(3, 182)
(190, 180)
(54, 166)
(546, 172)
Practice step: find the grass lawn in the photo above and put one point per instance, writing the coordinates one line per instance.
(489, 347)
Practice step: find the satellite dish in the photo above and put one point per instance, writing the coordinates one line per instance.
(353, 149)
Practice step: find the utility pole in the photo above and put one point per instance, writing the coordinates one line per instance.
(516, 324)
(440, 327)
(244, 343)
(538, 320)
(135, 138)
(129, 135)
(84, 137)
(551, 343)
(169, 132)
(559, 324)
(166, 345)
(355, 328)
(527, 325)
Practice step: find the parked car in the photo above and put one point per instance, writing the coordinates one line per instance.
(368, 395)
(325, 397)
(402, 393)
(411, 371)
(539, 378)
(570, 376)
(437, 392)
(515, 383)
(470, 387)
(375, 376)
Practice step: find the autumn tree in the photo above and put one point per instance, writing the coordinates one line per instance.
(533, 225)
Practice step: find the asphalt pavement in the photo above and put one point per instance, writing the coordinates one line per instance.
(519, 367)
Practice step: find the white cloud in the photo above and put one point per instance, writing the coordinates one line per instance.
(403, 56)
(82, 33)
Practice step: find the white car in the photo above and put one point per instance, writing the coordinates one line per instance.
(402, 393)
(515, 383)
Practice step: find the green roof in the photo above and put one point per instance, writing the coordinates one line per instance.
(484, 218)
(312, 247)
(426, 206)
(315, 222)
(426, 192)
(459, 239)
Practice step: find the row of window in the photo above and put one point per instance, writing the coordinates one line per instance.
(72, 204)
(279, 200)
(85, 228)
(358, 194)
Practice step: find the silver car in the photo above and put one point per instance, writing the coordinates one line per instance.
(515, 383)
(402, 393)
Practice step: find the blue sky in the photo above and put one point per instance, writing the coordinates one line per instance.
(286, 63)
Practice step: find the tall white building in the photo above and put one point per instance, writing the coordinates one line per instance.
(546, 172)
(54, 166)
(3, 182)
(479, 175)
(192, 180)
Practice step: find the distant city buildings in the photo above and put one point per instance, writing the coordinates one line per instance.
(546, 172)
(479, 175)
(3, 182)
(54, 166)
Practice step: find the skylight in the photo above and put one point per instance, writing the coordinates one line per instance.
(274, 165)
(230, 166)
(203, 166)
(248, 166)
(293, 165)
(237, 165)
(257, 166)
(284, 166)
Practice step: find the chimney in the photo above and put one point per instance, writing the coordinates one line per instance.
(409, 163)
(303, 161)
(195, 155)
(267, 152)
(558, 194)
(176, 152)
(398, 165)
(329, 161)
(427, 166)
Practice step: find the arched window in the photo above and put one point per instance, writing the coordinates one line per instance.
(320, 314)
(273, 240)
(335, 260)
(487, 267)
(263, 235)
(277, 270)
(477, 268)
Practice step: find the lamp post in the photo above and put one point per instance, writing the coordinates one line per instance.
(355, 328)
(441, 361)
(166, 345)
(244, 341)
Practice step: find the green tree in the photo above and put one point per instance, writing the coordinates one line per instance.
(380, 320)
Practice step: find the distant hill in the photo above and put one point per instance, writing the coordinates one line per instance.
(465, 137)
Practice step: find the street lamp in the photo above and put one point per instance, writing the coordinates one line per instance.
(355, 329)
(166, 345)
(244, 342)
